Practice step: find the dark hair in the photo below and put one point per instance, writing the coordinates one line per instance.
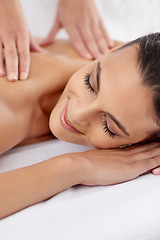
(148, 59)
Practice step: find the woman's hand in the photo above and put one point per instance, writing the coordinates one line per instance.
(84, 25)
(15, 40)
(105, 167)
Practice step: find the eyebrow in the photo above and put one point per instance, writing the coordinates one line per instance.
(119, 125)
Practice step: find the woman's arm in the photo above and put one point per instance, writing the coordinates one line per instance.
(27, 186)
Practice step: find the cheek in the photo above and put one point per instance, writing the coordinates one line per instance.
(99, 139)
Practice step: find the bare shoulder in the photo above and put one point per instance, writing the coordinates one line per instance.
(20, 100)
(15, 112)
(63, 47)
(57, 65)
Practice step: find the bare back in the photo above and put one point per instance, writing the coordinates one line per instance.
(25, 106)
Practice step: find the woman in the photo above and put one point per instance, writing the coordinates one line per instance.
(108, 103)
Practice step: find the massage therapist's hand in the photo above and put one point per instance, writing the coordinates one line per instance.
(105, 167)
(16, 41)
(84, 25)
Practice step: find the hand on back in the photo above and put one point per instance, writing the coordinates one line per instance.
(15, 41)
(84, 26)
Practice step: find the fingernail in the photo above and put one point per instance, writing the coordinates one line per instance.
(2, 73)
(157, 171)
(12, 76)
(23, 75)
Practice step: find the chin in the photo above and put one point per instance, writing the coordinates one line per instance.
(66, 136)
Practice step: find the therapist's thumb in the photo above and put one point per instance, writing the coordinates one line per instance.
(54, 30)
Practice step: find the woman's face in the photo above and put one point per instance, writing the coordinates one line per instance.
(104, 104)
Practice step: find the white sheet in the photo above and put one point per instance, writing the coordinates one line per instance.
(125, 211)
(121, 212)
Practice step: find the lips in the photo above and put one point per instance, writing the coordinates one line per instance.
(65, 121)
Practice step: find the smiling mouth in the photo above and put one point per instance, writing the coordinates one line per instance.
(65, 122)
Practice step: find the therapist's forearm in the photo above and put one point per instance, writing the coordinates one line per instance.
(27, 186)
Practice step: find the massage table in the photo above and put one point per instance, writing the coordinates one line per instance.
(126, 211)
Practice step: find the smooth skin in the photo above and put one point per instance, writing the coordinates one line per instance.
(89, 107)
(81, 19)
(26, 119)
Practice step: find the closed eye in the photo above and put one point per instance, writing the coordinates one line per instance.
(107, 130)
(104, 122)
(87, 83)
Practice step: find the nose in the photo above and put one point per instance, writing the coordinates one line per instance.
(83, 113)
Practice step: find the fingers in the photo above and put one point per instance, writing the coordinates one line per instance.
(88, 39)
(156, 171)
(54, 30)
(91, 41)
(17, 56)
(147, 158)
(143, 166)
(146, 154)
(109, 41)
(83, 41)
(23, 56)
(100, 39)
(14, 42)
(78, 42)
(103, 40)
(11, 60)
(136, 148)
(144, 158)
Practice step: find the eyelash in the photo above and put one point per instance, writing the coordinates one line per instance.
(86, 81)
(104, 122)
(107, 130)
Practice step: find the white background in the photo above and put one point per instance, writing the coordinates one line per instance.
(124, 19)
(128, 211)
